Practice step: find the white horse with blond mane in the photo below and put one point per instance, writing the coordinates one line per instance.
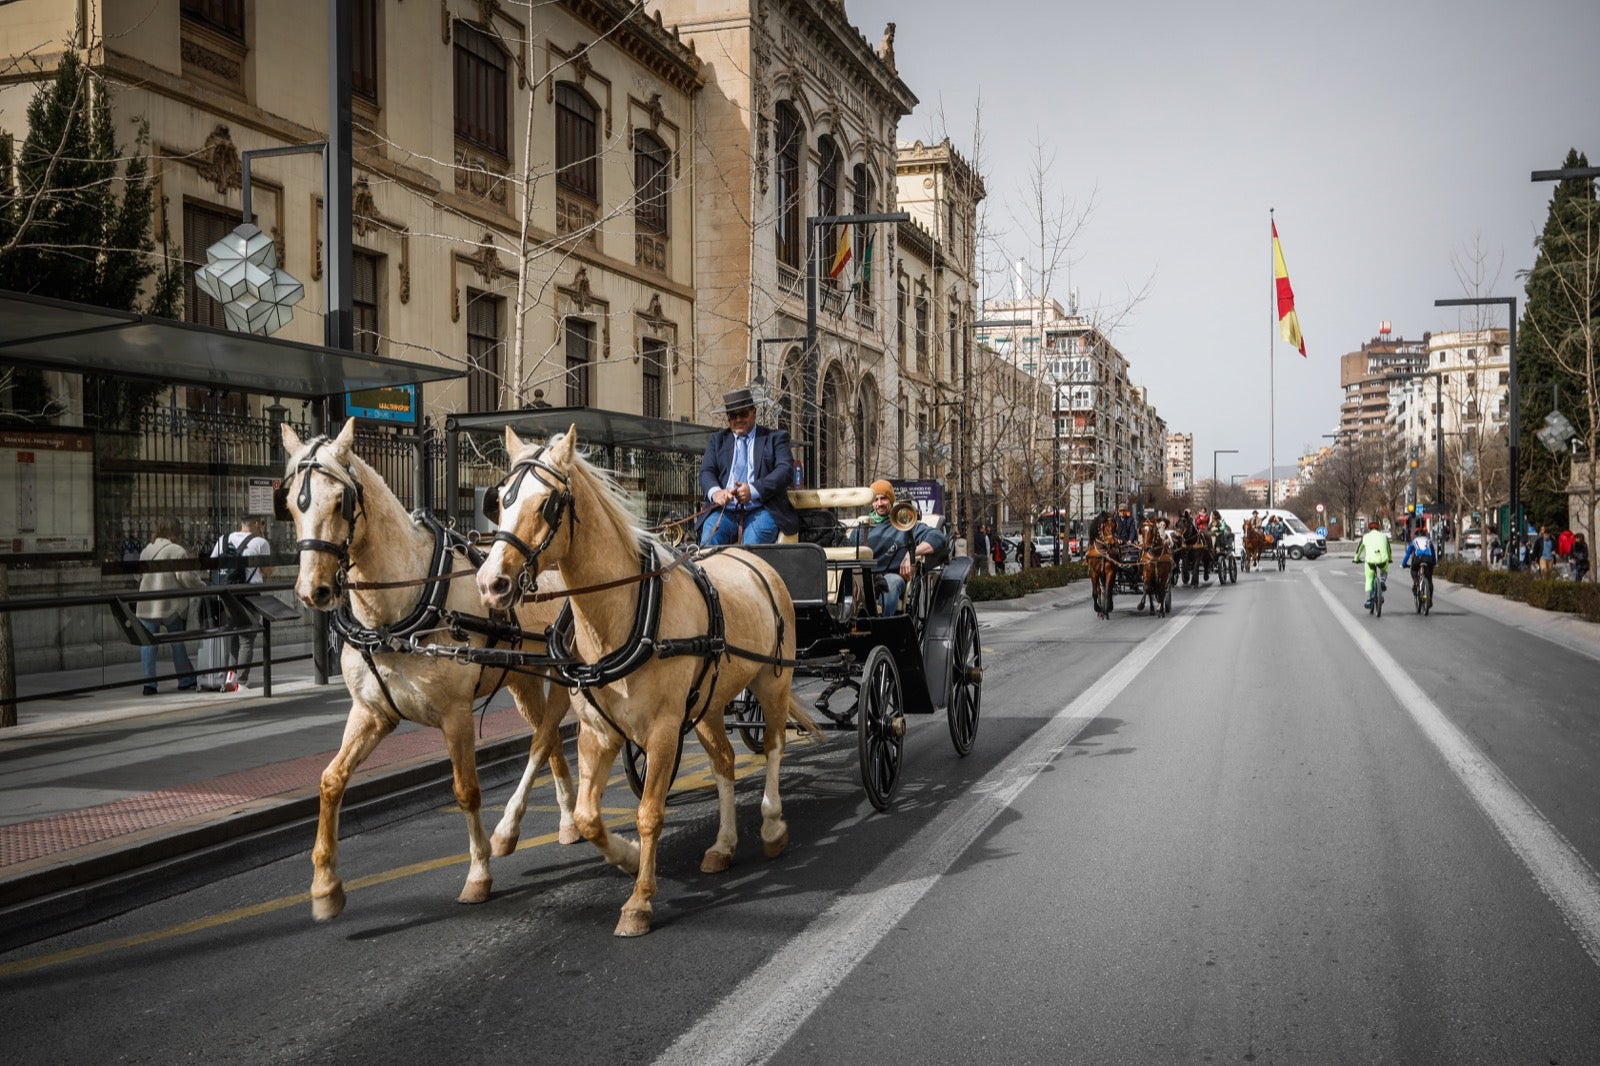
(356, 539)
(660, 652)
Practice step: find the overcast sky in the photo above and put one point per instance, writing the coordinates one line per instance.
(1391, 137)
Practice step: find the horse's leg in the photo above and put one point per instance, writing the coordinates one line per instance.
(545, 745)
(777, 693)
(596, 752)
(457, 730)
(660, 751)
(714, 738)
(362, 731)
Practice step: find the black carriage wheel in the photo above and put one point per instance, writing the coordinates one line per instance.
(746, 710)
(880, 727)
(966, 680)
(635, 764)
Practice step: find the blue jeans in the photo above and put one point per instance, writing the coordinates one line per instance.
(173, 623)
(722, 527)
(895, 587)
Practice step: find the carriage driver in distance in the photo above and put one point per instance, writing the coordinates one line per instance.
(892, 549)
(1125, 527)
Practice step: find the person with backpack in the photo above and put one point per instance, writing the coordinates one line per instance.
(234, 552)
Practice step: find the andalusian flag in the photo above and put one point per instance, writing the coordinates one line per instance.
(864, 274)
(1288, 319)
(841, 257)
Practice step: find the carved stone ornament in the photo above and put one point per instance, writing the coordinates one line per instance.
(486, 263)
(654, 110)
(886, 49)
(582, 295)
(653, 312)
(581, 67)
(363, 209)
(218, 161)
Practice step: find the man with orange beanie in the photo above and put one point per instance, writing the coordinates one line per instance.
(892, 549)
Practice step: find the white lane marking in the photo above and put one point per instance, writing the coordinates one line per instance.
(753, 1021)
(1564, 875)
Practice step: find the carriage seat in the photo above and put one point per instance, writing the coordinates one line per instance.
(821, 503)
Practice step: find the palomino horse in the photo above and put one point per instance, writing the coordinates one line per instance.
(1102, 556)
(663, 645)
(356, 537)
(1155, 568)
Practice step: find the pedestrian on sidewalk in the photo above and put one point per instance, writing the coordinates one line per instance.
(237, 549)
(1579, 556)
(170, 615)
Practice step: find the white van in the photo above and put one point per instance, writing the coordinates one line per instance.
(1302, 540)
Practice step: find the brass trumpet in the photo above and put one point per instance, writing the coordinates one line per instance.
(903, 515)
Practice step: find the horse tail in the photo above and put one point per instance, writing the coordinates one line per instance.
(802, 718)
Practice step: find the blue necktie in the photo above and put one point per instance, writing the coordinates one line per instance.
(741, 459)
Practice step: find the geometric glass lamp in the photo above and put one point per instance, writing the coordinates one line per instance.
(242, 274)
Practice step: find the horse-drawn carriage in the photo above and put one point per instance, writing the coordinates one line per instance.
(917, 662)
(643, 644)
(1142, 567)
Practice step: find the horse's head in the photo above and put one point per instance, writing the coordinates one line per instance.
(322, 496)
(529, 506)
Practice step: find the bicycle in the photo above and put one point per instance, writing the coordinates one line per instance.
(1380, 580)
(1423, 591)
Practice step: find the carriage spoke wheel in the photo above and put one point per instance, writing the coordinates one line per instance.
(635, 764)
(746, 711)
(966, 680)
(880, 727)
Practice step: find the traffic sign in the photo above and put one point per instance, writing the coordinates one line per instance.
(1319, 508)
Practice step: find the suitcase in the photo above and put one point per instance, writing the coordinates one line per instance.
(212, 664)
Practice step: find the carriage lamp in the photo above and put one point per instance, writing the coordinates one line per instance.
(242, 274)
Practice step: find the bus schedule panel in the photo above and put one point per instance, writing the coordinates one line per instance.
(396, 404)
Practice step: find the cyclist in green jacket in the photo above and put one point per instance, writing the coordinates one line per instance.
(1374, 551)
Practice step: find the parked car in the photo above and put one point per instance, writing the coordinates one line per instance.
(1471, 541)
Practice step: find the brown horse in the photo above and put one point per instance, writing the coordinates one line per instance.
(1256, 543)
(1101, 557)
(357, 540)
(650, 645)
(1155, 568)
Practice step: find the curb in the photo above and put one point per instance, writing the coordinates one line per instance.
(69, 893)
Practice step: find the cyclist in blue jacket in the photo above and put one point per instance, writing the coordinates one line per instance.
(1420, 556)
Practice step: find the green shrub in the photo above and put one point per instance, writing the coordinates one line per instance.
(1568, 597)
(985, 587)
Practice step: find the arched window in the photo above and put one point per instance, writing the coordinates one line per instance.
(865, 251)
(828, 166)
(867, 432)
(577, 145)
(791, 400)
(832, 448)
(651, 171)
(790, 135)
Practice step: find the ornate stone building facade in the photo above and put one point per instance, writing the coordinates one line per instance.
(481, 142)
(797, 120)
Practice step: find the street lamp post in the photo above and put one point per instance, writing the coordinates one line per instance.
(1216, 452)
(1514, 398)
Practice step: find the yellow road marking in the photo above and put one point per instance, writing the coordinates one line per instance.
(615, 818)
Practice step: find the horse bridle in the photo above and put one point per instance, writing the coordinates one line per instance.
(352, 505)
(555, 507)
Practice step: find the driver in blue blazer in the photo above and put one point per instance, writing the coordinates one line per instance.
(745, 476)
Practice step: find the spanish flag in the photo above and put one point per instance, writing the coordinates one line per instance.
(1288, 319)
(841, 258)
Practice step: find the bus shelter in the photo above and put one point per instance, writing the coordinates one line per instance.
(80, 492)
(656, 460)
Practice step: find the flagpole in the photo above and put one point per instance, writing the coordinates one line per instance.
(1272, 393)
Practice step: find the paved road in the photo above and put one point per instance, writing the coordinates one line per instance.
(1268, 828)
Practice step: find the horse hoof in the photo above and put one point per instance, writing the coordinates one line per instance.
(774, 847)
(501, 846)
(568, 835)
(327, 908)
(632, 923)
(715, 862)
(474, 892)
